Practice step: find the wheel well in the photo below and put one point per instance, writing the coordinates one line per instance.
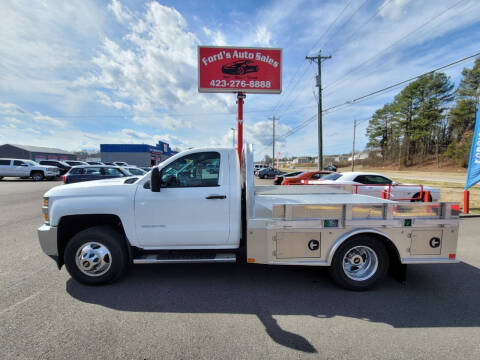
(36, 171)
(73, 224)
(392, 250)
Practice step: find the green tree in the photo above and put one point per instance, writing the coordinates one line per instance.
(462, 116)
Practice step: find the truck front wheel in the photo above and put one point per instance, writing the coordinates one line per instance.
(360, 263)
(37, 176)
(95, 256)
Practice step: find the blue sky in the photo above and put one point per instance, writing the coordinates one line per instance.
(75, 74)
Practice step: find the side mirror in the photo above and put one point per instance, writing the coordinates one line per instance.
(155, 180)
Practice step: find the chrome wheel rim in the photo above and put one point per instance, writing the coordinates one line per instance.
(360, 263)
(93, 259)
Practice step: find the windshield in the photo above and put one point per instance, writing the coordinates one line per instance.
(136, 171)
(333, 176)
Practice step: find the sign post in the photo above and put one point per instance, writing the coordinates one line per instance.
(239, 70)
(240, 97)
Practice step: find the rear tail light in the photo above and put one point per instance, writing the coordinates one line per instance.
(63, 178)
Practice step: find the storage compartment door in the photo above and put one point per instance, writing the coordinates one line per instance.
(298, 245)
(426, 242)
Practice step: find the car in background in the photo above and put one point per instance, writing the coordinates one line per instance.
(330, 167)
(269, 173)
(134, 170)
(94, 163)
(120, 163)
(146, 168)
(373, 184)
(258, 167)
(75, 162)
(279, 178)
(93, 172)
(62, 166)
(306, 175)
(24, 168)
(109, 163)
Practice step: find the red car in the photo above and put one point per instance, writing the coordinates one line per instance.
(308, 175)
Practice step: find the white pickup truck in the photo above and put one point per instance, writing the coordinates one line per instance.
(197, 206)
(27, 169)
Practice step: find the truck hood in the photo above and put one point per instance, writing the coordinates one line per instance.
(94, 187)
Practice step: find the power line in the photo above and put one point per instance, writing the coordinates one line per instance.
(313, 46)
(374, 93)
(351, 16)
(394, 43)
(357, 31)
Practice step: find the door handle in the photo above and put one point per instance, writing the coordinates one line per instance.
(210, 197)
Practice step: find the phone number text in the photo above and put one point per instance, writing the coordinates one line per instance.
(241, 84)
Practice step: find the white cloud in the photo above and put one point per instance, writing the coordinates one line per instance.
(122, 14)
(39, 118)
(395, 10)
(10, 109)
(163, 121)
(153, 68)
(105, 100)
(217, 38)
(263, 37)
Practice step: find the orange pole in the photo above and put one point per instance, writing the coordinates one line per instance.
(426, 197)
(466, 201)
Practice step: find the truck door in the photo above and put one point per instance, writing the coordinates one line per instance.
(192, 208)
(20, 168)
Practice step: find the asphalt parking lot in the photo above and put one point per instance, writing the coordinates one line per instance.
(219, 311)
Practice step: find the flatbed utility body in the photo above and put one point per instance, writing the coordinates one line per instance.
(201, 206)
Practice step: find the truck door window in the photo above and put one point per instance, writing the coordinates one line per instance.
(193, 170)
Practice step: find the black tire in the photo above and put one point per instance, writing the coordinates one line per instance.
(108, 238)
(37, 176)
(337, 267)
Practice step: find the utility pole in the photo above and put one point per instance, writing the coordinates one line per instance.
(353, 147)
(318, 59)
(233, 137)
(273, 141)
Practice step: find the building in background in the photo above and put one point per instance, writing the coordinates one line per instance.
(36, 153)
(136, 154)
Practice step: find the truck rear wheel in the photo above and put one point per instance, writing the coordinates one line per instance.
(360, 263)
(95, 256)
(37, 176)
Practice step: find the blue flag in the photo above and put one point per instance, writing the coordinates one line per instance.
(473, 176)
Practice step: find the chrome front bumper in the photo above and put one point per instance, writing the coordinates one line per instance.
(47, 236)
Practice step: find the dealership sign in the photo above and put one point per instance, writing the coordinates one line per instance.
(234, 69)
